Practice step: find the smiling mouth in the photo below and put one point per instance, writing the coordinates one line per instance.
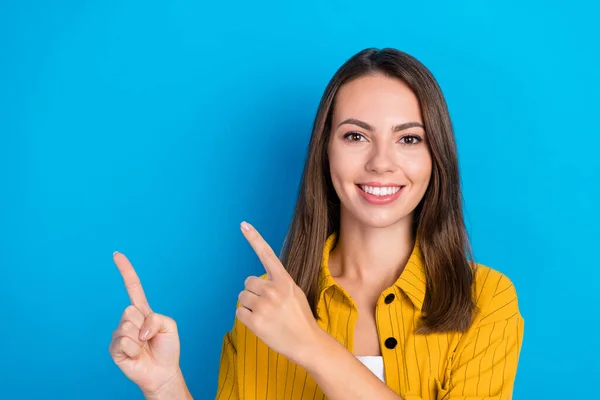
(380, 191)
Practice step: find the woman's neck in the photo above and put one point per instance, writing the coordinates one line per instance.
(371, 255)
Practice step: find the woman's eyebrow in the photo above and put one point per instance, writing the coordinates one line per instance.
(364, 125)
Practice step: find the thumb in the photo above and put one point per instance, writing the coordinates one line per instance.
(155, 324)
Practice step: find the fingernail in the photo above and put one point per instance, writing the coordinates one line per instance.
(145, 334)
(115, 253)
(245, 226)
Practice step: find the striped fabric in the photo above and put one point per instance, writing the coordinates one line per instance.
(475, 365)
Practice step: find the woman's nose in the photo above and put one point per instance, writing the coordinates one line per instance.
(382, 160)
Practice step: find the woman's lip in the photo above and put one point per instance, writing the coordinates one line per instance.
(379, 184)
(379, 200)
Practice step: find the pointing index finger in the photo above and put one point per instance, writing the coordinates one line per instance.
(265, 253)
(132, 283)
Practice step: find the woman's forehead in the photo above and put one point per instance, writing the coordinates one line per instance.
(376, 98)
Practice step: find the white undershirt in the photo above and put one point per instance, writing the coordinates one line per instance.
(375, 364)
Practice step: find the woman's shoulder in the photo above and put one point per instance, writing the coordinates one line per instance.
(495, 295)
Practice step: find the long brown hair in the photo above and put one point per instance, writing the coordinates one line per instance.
(438, 219)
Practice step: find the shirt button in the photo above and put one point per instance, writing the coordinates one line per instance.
(390, 343)
(389, 298)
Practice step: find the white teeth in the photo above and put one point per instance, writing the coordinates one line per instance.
(380, 191)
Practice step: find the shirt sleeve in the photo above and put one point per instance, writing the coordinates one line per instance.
(227, 388)
(484, 367)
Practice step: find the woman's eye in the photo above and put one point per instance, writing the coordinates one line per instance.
(354, 136)
(410, 140)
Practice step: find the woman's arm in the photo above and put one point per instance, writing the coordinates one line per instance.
(227, 387)
(485, 363)
(176, 389)
(340, 375)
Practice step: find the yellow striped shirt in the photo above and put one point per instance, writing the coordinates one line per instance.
(478, 364)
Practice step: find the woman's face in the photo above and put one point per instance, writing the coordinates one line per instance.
(378, 156)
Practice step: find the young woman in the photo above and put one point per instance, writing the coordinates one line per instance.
(376, 294)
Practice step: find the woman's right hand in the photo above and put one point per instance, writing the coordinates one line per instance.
(145, 345)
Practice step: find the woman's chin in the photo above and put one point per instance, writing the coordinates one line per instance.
(380, 219)
(369, 216)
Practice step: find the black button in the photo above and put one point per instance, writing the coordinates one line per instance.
(390, 343)
(389, 298)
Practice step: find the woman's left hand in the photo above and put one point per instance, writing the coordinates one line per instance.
(277, 310)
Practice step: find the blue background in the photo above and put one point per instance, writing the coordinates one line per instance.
(154, 128)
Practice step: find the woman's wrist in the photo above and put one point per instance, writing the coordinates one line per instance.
(174, 389)
(317, 350)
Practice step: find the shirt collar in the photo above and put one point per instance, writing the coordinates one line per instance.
(412, 281)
